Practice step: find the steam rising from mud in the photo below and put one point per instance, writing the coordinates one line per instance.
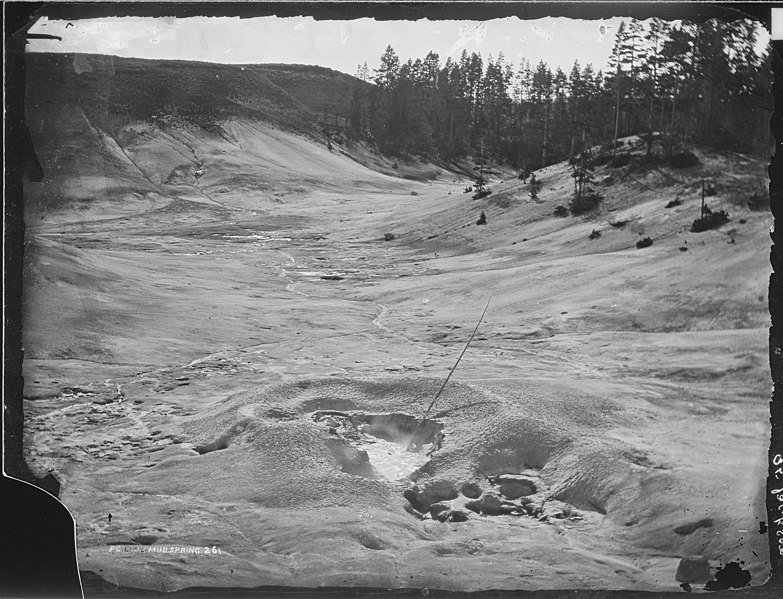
(384, 438)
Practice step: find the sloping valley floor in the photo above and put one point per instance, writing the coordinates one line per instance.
(216, 328)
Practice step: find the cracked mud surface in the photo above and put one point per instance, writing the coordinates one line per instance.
(189, 337)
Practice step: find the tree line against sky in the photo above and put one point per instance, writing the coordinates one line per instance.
(692, 83)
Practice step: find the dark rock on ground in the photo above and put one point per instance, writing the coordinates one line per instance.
(417, 502)
(693, 569)
(491, 505)
(438, 508)
(474, 506)
(369, 540)
(458, 516)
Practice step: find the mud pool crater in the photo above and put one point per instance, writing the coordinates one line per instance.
(387, 446)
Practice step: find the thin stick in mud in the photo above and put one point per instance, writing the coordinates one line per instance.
(443, 386)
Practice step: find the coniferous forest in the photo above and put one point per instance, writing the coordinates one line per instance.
(681, 83)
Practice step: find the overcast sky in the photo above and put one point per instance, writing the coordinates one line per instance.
(340, 45)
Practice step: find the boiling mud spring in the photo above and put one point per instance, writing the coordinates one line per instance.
(384, 439)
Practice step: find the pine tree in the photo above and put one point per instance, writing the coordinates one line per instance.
(542, 101)
(561, 134)
(585, 198)
(650, 72)
(386, 75)
(473, 78)
(630, 59)
(615, 64)
(363, 72)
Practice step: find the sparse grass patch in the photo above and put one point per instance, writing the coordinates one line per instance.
(535, 186)
(502, 200)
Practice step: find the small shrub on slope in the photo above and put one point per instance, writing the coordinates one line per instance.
(481, 190)
(683, 160)
(620, 160)
(534, 186)
(584, 198)
(710, 220)
(588, 201)
(674, 202)
(758, 201)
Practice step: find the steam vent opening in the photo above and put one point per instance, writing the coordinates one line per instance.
(388, 440)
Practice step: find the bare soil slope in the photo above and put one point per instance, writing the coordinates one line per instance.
(225, 351)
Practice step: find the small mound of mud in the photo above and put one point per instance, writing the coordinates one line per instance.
(356, 434)
(327, 403)
(145, 539)
(224, 440)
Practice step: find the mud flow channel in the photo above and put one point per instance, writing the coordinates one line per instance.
(380, 445)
